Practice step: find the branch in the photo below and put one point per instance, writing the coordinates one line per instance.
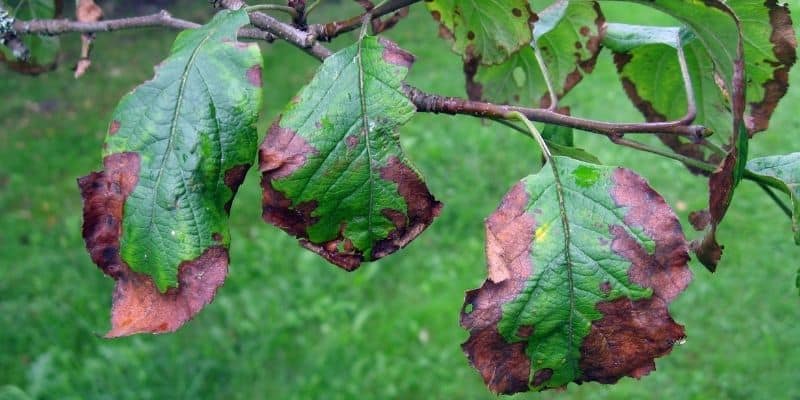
(424, 102)
(160, 19)
(328, 31)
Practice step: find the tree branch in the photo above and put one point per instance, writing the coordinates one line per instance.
(330, 30)
(160, 19)
(424, 102)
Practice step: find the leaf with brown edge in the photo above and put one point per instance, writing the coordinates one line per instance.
(567, 34)
(138, 306)
(770, 52)
(178, 146)
(333, 172)
(582, 267)
(486, 32)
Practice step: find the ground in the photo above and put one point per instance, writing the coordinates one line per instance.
(287, 325)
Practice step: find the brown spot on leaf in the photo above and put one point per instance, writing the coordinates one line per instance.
(631, 334)
(233, 178)
(138, 306)
(254, 75)
(504, 367)
(114, 127)
(395, 55)
(422, 208)
(437, 16)
(605, 287)
(352, 141)
(470, 35)
(584, 30)
(216, 236)
(541, 376)
(517, 12)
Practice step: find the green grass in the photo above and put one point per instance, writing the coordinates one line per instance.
(288, 326)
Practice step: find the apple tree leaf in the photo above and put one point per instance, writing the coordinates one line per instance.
(333, 172)
(485, 32)
(567, 34)
(785, 171)
(179, 145)
(582, 266)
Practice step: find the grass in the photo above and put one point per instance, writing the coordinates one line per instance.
(288, 326)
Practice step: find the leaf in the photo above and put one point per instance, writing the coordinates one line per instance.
(568, 35)
(582, 267)
(719, 30)
(333, 172)
(179, 145)
(560, 140)
(769, 50)
(43, 49)
(487, 32)
(785, 172)
(648, 66)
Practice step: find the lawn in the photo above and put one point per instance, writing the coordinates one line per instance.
(286, 325)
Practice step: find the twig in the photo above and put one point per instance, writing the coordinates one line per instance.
(424, 102)
(332, 29)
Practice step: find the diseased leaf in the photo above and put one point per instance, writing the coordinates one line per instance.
(333, 172)
(769, 49)
(485, 32)
(568, 35)
(582, 267)
(648, 66)
(43, 49)
(719, 30)
(785, 171)
(179, 145)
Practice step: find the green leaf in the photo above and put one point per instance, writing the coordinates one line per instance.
(561, 141)
(568, 35)
(43, 49)
(582, 267)
(785, 172)
(334, 174)
(177, 149)
(487, 32)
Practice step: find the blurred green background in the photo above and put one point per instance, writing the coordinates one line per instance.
(286, 325)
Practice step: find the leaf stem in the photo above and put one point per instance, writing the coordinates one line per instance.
(546, 75)
(535, 134)
(776, 199)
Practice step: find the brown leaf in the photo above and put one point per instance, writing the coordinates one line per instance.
(86, 11)
(138, 306)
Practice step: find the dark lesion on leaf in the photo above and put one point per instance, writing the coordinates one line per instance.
(504, 366)
(393, 54)
(632, 333)
(138, 306)
(233, 179)
(421, 208)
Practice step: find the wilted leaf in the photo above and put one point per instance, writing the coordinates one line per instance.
(568, 35)
(582, 268)
(785, 171)
(179, 145)
(43, 49)
(487, 32)
(334, 174)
